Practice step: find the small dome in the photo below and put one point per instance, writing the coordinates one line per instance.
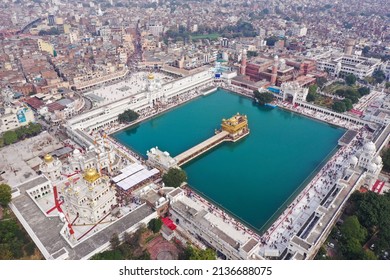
(372, 167)
(76, 152)
(378, 160)
(151, 76)
(353, 160)
(48, 158)
(369, 147)
(91, 175)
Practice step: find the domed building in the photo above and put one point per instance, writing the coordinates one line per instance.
(369, 161)
(88, 196)
(367, 154)
(100, 156)
(51, 167)
(153, 90)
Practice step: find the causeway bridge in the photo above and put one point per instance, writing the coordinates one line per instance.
(201, 148)
(232, 130)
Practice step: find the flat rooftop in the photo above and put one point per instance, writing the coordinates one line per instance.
(47, 229)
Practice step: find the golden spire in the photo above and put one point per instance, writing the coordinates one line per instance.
(48, 158)
(150, 76)
(91, 175)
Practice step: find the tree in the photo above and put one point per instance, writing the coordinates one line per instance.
(128, 116)
(379, 76)
(11, 240)
(5, 195)
(351, 249)
(192, 253)
(321, 255)
(155, 225)
(10, 137)
(313, 89)
(311, 97)
(364, 91)
(339, 107)
(386, 160)
(350, 79)
(108, 255)
(321, 81)
(352, 228)
(387, 85)
(114, 241)
(271, 40)
(174, 177)
(263, 97)
(366, 50)
(348, 104)
(251, 54)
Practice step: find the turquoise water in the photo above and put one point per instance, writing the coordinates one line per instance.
(252, 178)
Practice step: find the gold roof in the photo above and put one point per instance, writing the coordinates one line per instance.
(151, 76)
(91, 175)
(48, 158)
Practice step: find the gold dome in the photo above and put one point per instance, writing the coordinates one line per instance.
(48, 158)
(91, 175)
(151, 76)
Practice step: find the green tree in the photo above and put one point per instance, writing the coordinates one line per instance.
(114, 241)
(379, 76)
(366, 50)
(5, 195)
(263, 97)
(321, 255)
(155, 225)
(348, 104)
(368, 255)
(10, 137)
(321, 81)
(364, 91)
(108, 255)
(192, 253)
(386, 160)
(350, 79)
(313, 89)
(252, 54)
(311, 97)
(11, 240)
(339, 107)
(352, 249)
(128, 116)
(174, 177)
(271, 40)
(352, 228)
(387, 85)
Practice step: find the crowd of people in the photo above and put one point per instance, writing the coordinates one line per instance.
(291, 221)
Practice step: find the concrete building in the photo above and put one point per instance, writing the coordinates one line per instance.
(15, 117)
(292, 92)
(349, 44)
(45, 47)
(106, 115)
(342, 65)
(90, 197)
(51, 168)
(199, 224)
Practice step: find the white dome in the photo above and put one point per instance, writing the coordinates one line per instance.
(372, 167)
(369, 147)
(353, 160)
(378, 160)
(76, 152)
